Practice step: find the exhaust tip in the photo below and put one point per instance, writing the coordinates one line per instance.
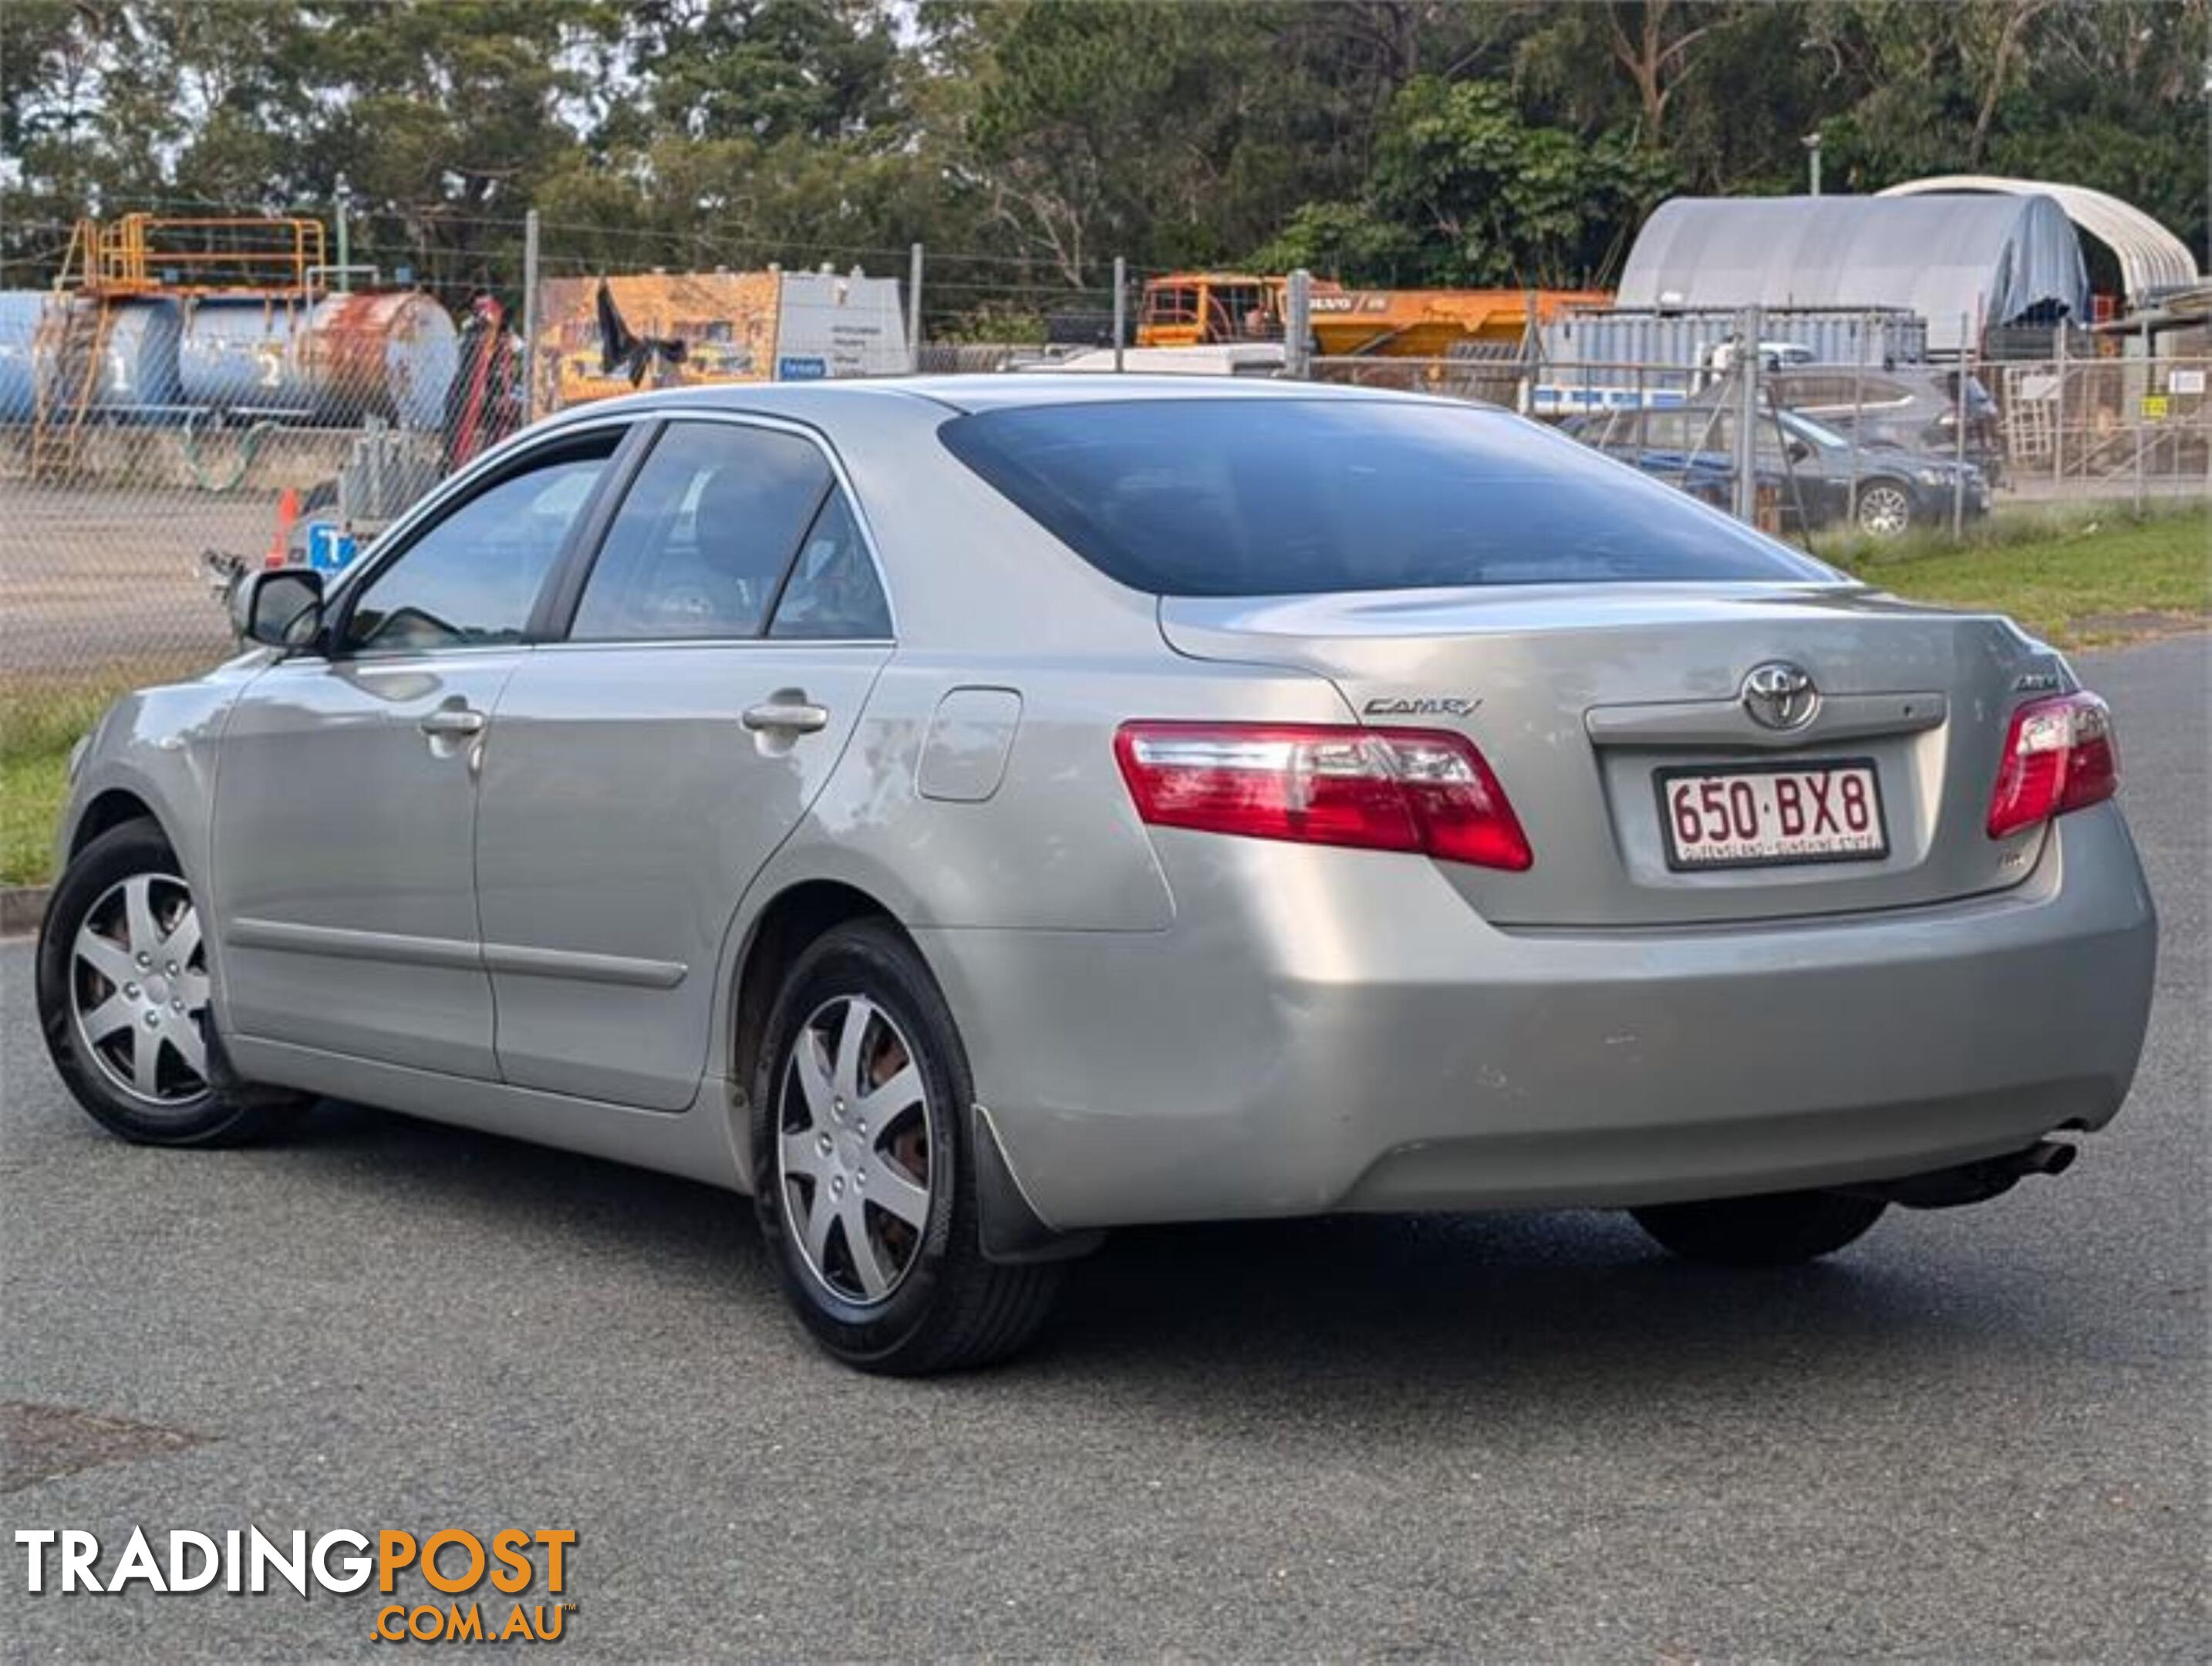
(2048, 1157)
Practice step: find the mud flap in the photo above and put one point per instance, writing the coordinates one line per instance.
(1010, 1229)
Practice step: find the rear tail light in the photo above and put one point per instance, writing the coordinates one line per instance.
(1423, 790)
(2058, 756)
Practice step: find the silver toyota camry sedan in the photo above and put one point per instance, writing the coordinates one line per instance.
(970, 814)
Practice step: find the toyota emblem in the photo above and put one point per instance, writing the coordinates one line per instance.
(1780, 696)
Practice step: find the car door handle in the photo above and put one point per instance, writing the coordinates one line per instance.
(448, 720)
(799, 716)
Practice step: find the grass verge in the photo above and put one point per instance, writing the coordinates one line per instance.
(2080, 577)
(38, 724)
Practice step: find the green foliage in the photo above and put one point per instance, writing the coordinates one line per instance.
(1350, 241)
(1494, 200)
(1029, 141)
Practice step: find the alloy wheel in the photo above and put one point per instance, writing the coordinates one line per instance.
(854, 1150)
(138, 990)
(1884, 511)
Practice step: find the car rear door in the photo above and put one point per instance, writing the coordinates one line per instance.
(345, 802)
(725, 636)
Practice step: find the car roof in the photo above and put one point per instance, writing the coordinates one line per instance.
(823, 401)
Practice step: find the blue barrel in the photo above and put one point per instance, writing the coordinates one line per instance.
(19, 310)
(392, 355)
(244, 356)
(138, 367)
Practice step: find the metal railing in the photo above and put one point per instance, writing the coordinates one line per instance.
(147, 253)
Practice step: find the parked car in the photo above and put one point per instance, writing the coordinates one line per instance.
(1912, 406)
(1819, 478)
(974, 813)
(1707, 476)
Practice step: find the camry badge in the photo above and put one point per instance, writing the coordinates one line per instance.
(1424, 706)
(1780, 696)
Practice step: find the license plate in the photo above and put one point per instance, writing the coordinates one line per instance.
(1766, 815)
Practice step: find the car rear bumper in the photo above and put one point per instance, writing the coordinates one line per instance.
(1327, 1030)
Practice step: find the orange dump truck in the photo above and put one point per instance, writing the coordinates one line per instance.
(1189, 309)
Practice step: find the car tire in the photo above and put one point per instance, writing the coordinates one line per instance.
(892, 1281)
(1781, 1229)
(1884, 508)
(122, 998)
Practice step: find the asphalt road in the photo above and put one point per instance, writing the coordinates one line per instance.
(1980, 1435)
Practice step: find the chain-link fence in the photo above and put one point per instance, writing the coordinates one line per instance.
(2111, 427)
(186, 394)
(156, 446)
(182, 399)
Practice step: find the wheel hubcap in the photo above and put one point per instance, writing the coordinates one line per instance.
(1884, 511)
(854, 1150)
(138, 990)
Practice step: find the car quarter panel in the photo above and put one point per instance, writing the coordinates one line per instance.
(985, 599)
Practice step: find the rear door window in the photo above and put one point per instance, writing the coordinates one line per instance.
(833, 593)
(1267, 496)
(704, 535)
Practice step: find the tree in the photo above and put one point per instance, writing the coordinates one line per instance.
(1463, 190)
(1029, 141)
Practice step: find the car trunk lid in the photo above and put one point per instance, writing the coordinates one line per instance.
(1585, 699)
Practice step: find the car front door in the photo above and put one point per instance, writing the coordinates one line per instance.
(642, 771)
(346, 796)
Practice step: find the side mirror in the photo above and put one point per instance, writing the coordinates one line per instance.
(1799, 451)
(280, 606)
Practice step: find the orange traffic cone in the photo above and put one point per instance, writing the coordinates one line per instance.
(288, 516)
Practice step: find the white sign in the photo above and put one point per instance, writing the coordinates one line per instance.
(829, 325)
(2185, 381)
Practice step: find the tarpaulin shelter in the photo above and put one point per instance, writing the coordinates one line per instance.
(1987, 260)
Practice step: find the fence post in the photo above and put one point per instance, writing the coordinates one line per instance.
(344, 195)
(1746, 419)
(914, 308)
(530, 316)
(2142, 413)
(1861, 328)
(1959, 431)
(2058, 415)
(1298, 325)
(1120, 307)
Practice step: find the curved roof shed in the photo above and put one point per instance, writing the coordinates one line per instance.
(2153, 260)
(1985, 260)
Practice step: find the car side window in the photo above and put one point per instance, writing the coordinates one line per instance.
(703, 536)
(833, 593)
(473, 579)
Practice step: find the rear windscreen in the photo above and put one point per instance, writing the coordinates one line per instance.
(1256, 497)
